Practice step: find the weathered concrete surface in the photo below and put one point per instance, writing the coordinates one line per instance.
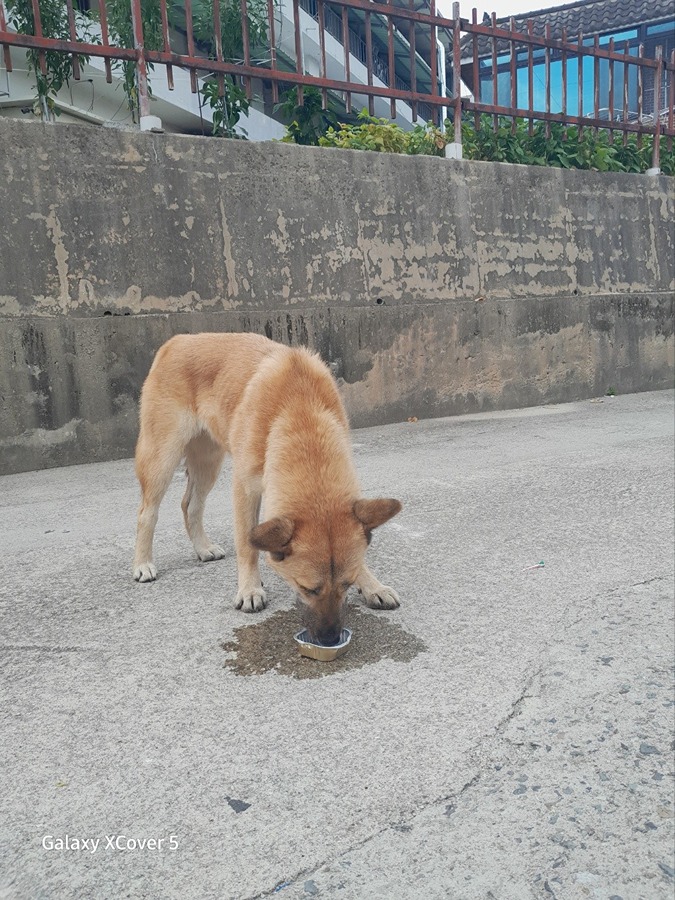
(100, 220)
(73, 392)
(525, 753)
(432, 287)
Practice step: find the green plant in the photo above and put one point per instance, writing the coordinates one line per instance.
(58, 66)
(309, 121)
(565, 147)
(121, 31)
(228, 101)
(224, 95)
(427, 140)
(231, 37)
(383, 136)
(558, 145)
(667, 161)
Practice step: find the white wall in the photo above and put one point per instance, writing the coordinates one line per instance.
(93, 99)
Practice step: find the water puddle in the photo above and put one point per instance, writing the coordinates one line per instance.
(268, 646)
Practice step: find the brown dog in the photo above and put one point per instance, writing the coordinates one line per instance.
(278, 412)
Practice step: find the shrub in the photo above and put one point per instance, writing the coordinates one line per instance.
(309, 121)
(559, 145)
(563, 147)
(383, 136)
(59, 67)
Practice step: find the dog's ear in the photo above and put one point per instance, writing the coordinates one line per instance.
(273, 536)
(372, 513)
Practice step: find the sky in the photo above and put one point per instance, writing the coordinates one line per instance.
(501, 7)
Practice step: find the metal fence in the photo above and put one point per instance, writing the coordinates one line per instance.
(376, 33)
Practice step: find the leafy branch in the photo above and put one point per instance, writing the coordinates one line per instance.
(309, 121)
(59, 66)
(383, 136)
(560, 146)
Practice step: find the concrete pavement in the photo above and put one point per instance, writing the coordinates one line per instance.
(504, 734)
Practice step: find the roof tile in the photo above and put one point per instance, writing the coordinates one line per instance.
(588, 16)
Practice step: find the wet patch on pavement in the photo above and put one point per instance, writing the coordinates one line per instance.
(268, 646)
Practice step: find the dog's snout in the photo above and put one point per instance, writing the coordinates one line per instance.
(329, 636)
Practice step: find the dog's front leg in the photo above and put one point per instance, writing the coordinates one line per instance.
(250, 596)
(375, 594)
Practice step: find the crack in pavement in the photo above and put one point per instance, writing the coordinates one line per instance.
(450, 800)
(303, 873)
(478, 756)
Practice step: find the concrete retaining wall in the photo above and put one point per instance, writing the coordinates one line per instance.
(432, 287)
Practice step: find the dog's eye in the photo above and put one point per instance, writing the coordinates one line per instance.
(313, 592)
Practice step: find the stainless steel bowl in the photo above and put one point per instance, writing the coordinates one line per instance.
(319, 651)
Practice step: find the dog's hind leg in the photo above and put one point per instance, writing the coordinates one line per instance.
(156, 461)
(203, 457)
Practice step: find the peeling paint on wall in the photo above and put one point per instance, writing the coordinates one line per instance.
(232, 287)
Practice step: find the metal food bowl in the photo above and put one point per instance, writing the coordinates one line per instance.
(319, 651)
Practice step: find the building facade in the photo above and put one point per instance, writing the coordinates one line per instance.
(630, 24)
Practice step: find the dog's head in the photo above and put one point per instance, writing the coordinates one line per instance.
(321, 555)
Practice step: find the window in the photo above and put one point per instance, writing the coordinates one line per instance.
(660, 34)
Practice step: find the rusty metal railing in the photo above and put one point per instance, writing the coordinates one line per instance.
(390, 31)
(508, 44)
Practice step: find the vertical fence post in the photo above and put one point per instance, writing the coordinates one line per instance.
(563, 66)
(369, 63)
(580, 83)
(73, 36)
(433, 63)
(391, 60)
(147, 122)
(611, 91)
(475, 73)
(246, 41)
(413, 60)
(321, 17)
(37, 28)
(547, 70)
(513, 77)
(345, 45)
(273, 48)
(494, 73)
(596, 83)
(189, 33)
(5, 48)
(640, 94)
(658, 74)
(454, 150)
(530, 79)
(299, 55)
(103, 19)
(167, 39)
(626, 82)
(671, 100)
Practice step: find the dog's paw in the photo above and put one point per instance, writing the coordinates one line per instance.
(145, 572)
(382, 597)
(212, 551)
(251, 600)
